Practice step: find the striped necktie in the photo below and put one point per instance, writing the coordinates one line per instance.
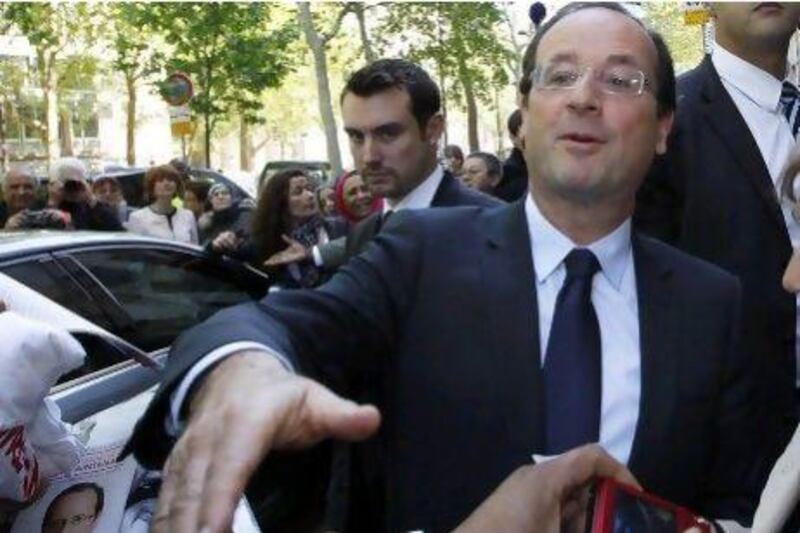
(789, 102)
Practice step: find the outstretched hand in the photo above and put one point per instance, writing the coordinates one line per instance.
(248, 406)
(549, 497)
(294, 252)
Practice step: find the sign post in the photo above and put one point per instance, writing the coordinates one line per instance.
(177, 90)
(698, 14)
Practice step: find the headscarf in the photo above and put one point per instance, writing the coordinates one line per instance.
(341, 205)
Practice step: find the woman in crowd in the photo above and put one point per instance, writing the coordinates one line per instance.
(287, 211)
(195, 194)
(326, 202)
(161, 218)
(354, 201)
(107, 190)
(225, 221)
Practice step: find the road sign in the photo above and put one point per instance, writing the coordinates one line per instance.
(180, 120)
(696, 13)
(177, 89)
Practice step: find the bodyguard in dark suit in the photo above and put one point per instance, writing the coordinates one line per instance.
(492, 334)
(714, 193)
(394, 134)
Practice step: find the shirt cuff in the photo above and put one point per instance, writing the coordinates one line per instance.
(315, 253)
(729, 526)
(174, 424)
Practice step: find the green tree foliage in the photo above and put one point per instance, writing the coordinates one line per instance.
(685, 42)
(232, 52)
(51, 28)
(460, 38)
(136, 53)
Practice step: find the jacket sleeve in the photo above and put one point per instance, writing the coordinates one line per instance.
(329, 334)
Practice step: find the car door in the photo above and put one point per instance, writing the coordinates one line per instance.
(147, 294)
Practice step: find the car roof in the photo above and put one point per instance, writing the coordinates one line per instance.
(14, 243)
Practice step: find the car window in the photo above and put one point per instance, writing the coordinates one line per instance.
(166, 292)
(48, 278)
(100, 354)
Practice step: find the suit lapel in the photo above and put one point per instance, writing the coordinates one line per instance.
(509, 279)
(658, 327)
(722, 114)
(447, 193)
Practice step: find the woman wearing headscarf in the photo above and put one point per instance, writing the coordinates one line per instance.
(225, 222)
(354, 200)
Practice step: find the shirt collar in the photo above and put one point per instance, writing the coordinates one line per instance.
(421, 196)
(549, 246)
(758, 85)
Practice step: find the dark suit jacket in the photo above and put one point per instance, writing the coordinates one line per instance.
(515, 178)
(427, 317)
(451, 193)
(712, 196)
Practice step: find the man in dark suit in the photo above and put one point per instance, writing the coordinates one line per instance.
(714, 193)
(491, 334)
(391, 110)
(515, 172)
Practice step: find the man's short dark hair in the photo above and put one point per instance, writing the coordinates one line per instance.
(514, 122)
(665, 71)
(453, 150)
(74, 489)
(493, 166)
(385, 74)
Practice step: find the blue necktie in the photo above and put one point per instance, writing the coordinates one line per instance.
(789, 102)
(572, 371)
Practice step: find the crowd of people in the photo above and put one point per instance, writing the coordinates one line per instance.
(624, 279)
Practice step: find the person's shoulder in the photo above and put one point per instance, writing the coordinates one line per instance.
(138, 214)
(691, 84)
(689, 271)
(477, 198)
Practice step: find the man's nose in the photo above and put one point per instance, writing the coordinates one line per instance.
(371, 150)
(585, 96)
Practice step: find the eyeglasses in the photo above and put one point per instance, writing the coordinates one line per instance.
(623, 80)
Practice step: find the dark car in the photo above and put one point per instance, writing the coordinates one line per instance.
(319, 171)
(143, 290)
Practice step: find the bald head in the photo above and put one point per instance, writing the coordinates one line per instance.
(19, 190)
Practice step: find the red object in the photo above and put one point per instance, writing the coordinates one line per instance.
(618, 507)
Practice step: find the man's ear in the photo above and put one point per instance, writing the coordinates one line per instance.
(434, 128)
(664, 128)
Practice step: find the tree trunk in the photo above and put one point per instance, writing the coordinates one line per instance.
(245, 146)
(207, 139)
(130, 124)
(472, 106)
(48, 82)
(66, 132)
(369, 53)
(323, 88)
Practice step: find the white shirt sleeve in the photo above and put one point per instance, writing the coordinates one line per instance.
(174, 424)
(317, 257)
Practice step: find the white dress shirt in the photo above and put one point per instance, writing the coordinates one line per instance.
(756, 94)
(615, 302)
(419, 198)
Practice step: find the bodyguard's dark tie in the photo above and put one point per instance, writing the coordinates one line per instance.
(790, 101)
(572, 365)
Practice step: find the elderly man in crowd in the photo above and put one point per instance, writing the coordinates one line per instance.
(19, 193)
(489, 334)
(77, 199)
